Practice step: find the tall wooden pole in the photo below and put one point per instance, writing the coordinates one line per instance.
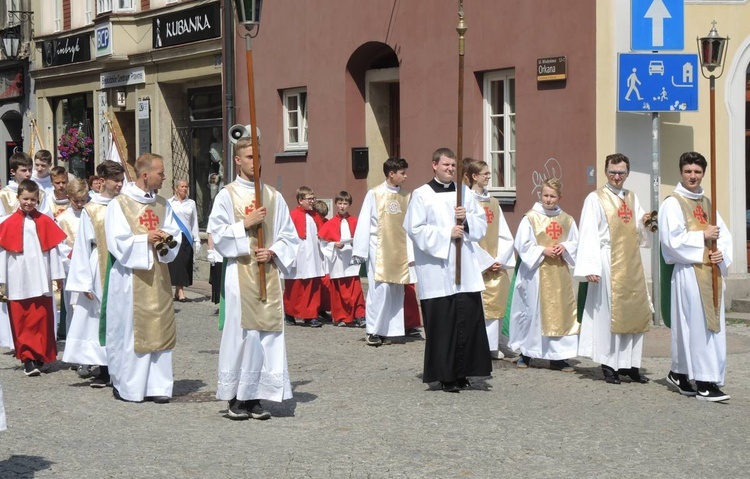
(461, 29)
(712, 169)
(256, 157)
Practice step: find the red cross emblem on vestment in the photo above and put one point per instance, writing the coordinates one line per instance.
(554, 230)
(625, 213)
(700, 215)
(58, 212)
(149, 220)
(250, 208)
(490, 214)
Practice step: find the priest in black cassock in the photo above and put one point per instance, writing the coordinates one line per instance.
(456, 344)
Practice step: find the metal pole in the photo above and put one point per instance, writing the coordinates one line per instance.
(655, 247)
(712, 168)
(228, 62)
(461, 29)
(256, 157)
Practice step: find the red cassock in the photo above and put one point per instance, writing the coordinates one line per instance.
(302, 297)
(32, 319)
(347, 299)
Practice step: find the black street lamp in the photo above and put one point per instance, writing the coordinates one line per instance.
(11, 41)
(248, 12)
(16, 33)
(712, 52)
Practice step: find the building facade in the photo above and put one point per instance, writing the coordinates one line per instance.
(148, 70)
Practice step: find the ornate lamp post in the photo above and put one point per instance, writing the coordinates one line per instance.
(461, 30)
(712, 52)
(248, 13)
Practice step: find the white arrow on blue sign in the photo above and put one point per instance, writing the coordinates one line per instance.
(652, 82)
(657, 25)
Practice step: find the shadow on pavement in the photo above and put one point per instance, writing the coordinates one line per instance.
(23, 466)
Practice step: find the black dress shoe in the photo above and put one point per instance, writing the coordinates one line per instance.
(450, 387)
(610, 375)
(158, 399)
(463, 383)
(634, 374)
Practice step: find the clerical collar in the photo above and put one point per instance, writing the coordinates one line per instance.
(687, 193)
(246, 183)
(621, 193)
(438, 187)
(539, 208)
(135, 192)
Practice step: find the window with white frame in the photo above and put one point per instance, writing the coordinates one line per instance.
(106, 6)
(500, 128)
(58, 15)
(295, 119)
(89, 11)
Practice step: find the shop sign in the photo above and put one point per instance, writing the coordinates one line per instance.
(67, 50)
(186, 26)
(11, 84)
(103, 40)
(131, 76)
(551, 69)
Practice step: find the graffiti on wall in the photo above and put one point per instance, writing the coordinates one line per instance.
(551, 169)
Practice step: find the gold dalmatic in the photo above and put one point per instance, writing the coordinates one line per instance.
(9, 200)
(496, 283)
(257, 315)
(557, 303)
(59, 208)
(391, 260)
(631, 307)
(697, 218)
(70, 228)
(96, 214)
(153, 311)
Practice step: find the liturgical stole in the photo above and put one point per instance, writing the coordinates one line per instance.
(631, 310)
(391, 259)
(697, 218)
(496, 283)
(96, 213)
(257, 315)
(556, 300)
(153, 311)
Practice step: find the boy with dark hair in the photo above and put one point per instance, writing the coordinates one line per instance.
(302, 286)
(87, 269)
(42, 164)
(686, 230)
(380, 240)
(347, 300)
(29, 254)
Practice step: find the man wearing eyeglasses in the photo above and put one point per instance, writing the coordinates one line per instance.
(617, 307)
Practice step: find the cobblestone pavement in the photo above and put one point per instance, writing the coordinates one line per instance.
(363, 412)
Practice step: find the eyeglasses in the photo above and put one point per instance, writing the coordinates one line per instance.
(309, 198)
(615, 174)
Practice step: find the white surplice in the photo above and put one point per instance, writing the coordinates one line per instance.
(507, 258)
(696, 351)
(82, 345)
(596, 341)
(338, 260)
(68, 220)
(525, 312)
(252, 364)
(134, 375)
(384, 303)
(429, 221)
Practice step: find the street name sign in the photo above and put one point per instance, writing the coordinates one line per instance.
(654, 82)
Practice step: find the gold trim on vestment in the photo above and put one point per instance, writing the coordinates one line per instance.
(496, 283)
(96, 213)
(257, 315)
(154, 327)
(9, 199)
(69, 229)
(697, 214)
(58, 208)
(391, 259)
(631, 308)
(557, 303)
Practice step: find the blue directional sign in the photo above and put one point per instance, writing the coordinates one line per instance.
(649, 82)
(657, 25)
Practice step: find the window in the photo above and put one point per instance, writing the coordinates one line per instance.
(295, 119)
(89, 11)
(11, 6)
(106, 6)
(500, 128)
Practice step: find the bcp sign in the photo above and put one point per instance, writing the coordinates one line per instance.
(103, 40)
